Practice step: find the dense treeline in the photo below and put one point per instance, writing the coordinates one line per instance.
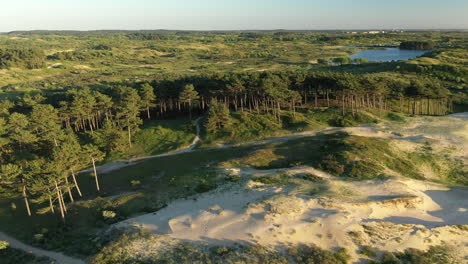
(417, 45)
(44, 146)
(29, 58)
(80, 55)
(46, 139)
(271, 92)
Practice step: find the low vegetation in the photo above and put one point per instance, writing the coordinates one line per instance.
(184, 252)
(353, 157)
(129, 248)
(9, 255)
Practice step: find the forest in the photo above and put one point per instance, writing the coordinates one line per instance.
(47, 138)
(72, 101)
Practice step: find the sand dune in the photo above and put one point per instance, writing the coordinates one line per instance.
(269, 215)
(389, 214)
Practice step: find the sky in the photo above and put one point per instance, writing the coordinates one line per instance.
(232, 14)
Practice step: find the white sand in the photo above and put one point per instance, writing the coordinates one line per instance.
(271, 215)
(389, 215)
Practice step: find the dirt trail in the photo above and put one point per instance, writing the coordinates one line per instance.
(59, 257)
(389, 214)
(412, 134)
(119, 164)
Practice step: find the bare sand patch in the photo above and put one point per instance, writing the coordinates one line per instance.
(411, 213)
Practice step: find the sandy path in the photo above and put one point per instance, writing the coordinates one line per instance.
(119, 164)
(413, 133)
(59, 257)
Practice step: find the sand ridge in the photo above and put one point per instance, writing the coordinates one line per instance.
(391, 214)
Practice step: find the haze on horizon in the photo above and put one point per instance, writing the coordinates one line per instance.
(232, 15)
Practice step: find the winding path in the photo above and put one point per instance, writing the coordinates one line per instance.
(115, 165)
(58, 257)
(62, 259)
(119, 164)
(359, 130)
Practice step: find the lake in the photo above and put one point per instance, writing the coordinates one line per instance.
(388, 54)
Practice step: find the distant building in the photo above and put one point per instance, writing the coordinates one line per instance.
(374, 32)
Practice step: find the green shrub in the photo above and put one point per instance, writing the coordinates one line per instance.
(4, 245)
(395, 117)
(368, 251)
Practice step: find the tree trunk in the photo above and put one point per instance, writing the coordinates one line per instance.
(343, 105)
(76, 184)
(63, 201)
(51, 204)
(279, 112)
(95, 174)
(25, 198)
(129, 136)
(69, 190)
(148, 112)
(62, 213)
(316, 98)
(190, 111)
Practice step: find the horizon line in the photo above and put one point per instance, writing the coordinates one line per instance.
(234, 30)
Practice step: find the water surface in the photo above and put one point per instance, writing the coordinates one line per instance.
(388, 54)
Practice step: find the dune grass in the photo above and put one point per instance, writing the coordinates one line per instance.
(353, 157)
(155, 182)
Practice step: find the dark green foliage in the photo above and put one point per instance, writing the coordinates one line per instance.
(17, 256)
(21, 57)
(333, 117)
(312, 178)
(314, 255)
(278, 180)
(241, 126)
(368, 251)
(416, 45)
(80, 55)
(205, 186)
(395, 117)
(219, 119)
(434, 255)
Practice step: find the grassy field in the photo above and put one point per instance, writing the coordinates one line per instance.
(158, 137)
(155, 183)
(249, 126)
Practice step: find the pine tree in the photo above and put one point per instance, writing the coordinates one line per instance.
(128, 111)
(148, 98)
(12, 177)
(189, 95)
(93, 154)
(218, 117)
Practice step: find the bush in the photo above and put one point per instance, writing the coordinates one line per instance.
(21, 57)
(368, 251)
(205, 186)
(108, 214)
(4, 245)
(395, 117)
(123, 251)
